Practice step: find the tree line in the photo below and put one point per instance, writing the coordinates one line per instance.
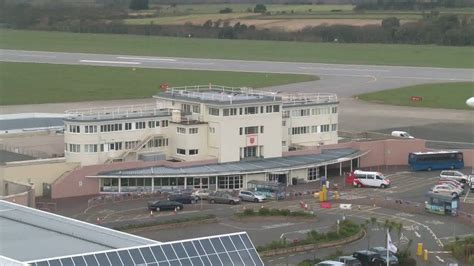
(432, 29)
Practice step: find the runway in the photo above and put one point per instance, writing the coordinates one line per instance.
(345, 80)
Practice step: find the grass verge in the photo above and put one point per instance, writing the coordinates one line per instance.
(29, 83)
(338, 53)
(347, 228)
(441, 95)
(166, 222)
(272, 212)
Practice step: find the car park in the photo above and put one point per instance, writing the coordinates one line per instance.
(456, 175)
(446, 189)
(161, 205)
(201, 193)
(367, 257)
(253, 196)
(349, 261)
(393, 260)
(223, 197)
(183, 198)
(369, 179)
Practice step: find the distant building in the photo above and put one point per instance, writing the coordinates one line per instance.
(202, 123)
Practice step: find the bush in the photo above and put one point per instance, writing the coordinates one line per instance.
(226, 10)
(249, 212)
(285, 212)
(264, 211)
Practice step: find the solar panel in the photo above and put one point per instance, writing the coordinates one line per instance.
(232, 249)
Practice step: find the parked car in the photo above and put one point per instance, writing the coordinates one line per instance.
(330, 263)
(253, 196)
(183, 198)
(393, 260)
(471, 182)
(456, 175)
(201, 193)
(367, 257)
(223, 197)
(349, 261)
(446, 189)
(402, 134)
(451, 182)
(161, 205)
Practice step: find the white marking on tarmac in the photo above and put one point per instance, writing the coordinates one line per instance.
(147, 58)
(110, 62)
(277, 225)
(440, 259)
(467, 194)
(417, 234)
(37, 55)
(345, 69)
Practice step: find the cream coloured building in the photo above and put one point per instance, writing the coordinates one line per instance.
(202, 122)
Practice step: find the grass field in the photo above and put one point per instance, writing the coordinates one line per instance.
(442, 95)
(376, 54)
(28, 83)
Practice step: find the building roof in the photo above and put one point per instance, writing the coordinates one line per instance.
(116, 113)
(18, 123)
(30, 234)
(34, 237)
(243, 167)
(223, 250)
(8, 156)
(218, 95)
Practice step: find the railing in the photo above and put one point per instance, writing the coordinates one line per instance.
(136, 149)
(115, 112)
(305, 98)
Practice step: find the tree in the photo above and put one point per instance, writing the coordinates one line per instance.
(207, 24)
(390, 23)
(138, 4)
(259, 8)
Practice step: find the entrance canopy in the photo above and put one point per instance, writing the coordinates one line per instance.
(270, 165)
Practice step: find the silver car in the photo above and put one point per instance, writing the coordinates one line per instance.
(223, 197)
(456, 175)
(253, 196)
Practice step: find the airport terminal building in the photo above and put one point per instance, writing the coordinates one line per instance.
(227, 137)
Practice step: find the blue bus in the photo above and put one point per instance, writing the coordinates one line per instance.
(435, 160)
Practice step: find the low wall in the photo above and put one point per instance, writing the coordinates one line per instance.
(35, 172)
(23, 194)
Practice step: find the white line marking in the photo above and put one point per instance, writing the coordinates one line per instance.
(35, 55)
(467, 194)
(145, 58)
(344, 69)
(417, 234)
(110, 62)
(440, 259)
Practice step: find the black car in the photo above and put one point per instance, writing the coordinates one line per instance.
(160, 205)
(367, 258)
(183, 198)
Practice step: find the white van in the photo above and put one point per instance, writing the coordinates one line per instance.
(402, 134)
(369, 179)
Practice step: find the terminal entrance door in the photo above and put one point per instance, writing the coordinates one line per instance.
(278, 177)
(201, 182)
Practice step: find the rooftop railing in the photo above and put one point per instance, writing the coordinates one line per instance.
(308, 98)
(117, 112)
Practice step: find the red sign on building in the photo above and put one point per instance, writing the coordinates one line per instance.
(252, 140)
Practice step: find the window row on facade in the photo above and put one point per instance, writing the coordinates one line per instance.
(310, 111)
(182, 130)
(189, 152)
(114, 146)
(113, 127)
(152, 184)
(251, 130)
(249, 110)
(312, 129)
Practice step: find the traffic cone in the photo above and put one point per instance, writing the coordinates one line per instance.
(151, 213)
(175, 211)
(306, 206)
(98, 220)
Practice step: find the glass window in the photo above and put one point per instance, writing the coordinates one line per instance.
(214, 111)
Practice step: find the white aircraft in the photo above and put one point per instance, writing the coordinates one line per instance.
(470, 102)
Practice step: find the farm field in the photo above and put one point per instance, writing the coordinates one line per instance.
(441, 95)
(337, 53)
(29, 83)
